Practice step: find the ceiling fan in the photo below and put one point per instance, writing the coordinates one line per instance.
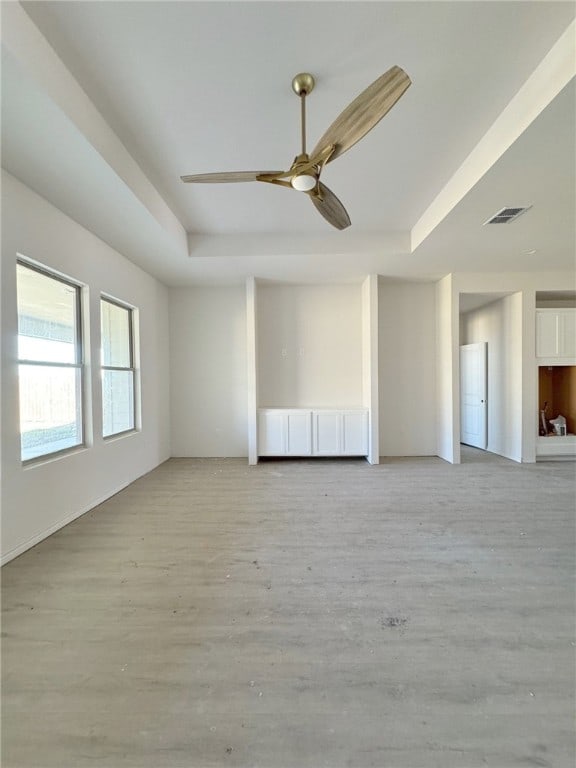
(359, 117)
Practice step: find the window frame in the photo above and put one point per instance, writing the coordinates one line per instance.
(132, 352)
(79, 364)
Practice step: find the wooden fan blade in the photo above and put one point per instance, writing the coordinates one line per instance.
(328, 205)
(232, 177)
(363, 113)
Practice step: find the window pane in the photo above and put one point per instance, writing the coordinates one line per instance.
(115, 335)
(47, 316)
(117, 401)
(50, 415)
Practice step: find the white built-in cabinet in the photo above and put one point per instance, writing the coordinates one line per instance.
(340, 433)
(556, 333)
(284, 432)
(312, 432)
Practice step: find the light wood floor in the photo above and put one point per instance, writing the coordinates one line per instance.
(300, 614)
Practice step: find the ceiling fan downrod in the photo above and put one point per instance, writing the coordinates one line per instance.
(302, 85)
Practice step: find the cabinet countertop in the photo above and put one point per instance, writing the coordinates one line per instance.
(312, 408)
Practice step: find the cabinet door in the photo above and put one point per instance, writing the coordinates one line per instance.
(327, 432)
(355, 433)
(546, 334)
(271, 440)
(567, 333)
(298, 433)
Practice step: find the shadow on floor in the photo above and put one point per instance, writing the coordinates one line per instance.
(469, 455)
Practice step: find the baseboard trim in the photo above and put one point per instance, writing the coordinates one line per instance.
(38, 537)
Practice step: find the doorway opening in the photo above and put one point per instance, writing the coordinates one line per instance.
(491, 372)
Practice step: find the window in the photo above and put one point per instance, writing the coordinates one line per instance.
(118, 372)
(49, 362)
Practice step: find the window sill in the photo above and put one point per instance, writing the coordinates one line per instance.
(120, 435)
(50, 458)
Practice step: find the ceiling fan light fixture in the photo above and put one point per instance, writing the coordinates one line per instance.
(303, 182)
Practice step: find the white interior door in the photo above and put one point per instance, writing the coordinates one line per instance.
(473, 427)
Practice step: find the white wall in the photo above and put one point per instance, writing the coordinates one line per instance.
(407, 368)
(447, 371)
(500, 325)
(309, 345)
(370, 372)
(39, 499)
(252, 370)
(209, 396)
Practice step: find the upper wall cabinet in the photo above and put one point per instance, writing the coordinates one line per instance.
(556, 333)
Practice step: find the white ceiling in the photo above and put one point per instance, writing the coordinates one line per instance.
(196, 87)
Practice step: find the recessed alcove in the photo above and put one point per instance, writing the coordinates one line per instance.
(309, 345)
(557, 394)
(312, 348)
(556, 360)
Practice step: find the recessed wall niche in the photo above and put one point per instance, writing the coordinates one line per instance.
(312, 353)
(557, 394)
(309, 345)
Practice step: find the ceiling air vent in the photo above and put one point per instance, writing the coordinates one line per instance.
(506, 215)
